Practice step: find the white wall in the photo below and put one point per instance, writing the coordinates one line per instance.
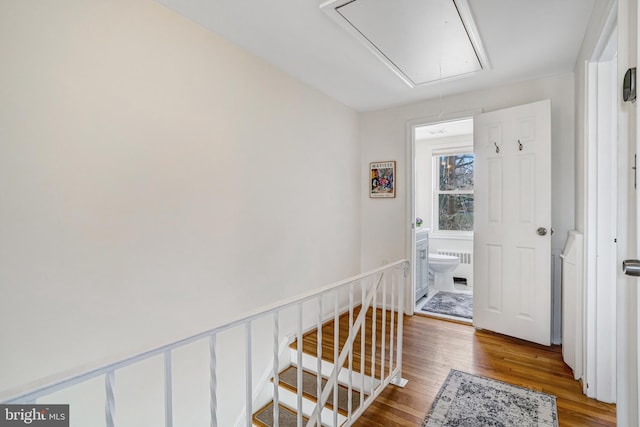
(156, 181)
(386, 222)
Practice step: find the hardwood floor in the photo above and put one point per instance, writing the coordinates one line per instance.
(432, 347)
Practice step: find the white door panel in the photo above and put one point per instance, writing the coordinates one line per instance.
(512, 274)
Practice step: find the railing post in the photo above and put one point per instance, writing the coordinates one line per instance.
(393, 318)
(249, 375)
(383, 354)
(299, 363)
(213, 380)
(350, 343)
(374, 316)
(363, 338)
(110, 402)
(276, 368)
(168, 390)
(336, 345)
(319, 361)
(401, 324)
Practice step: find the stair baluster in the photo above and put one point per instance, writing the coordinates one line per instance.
(276, 368)
(213, 380)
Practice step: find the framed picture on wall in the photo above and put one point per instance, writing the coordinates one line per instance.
(382, 179)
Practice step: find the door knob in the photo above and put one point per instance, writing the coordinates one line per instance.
(541, 231)
(631, 267)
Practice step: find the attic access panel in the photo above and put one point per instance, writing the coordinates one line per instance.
(421, 41)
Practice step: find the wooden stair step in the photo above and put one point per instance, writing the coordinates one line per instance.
(286, 417)
(309, 344)
(288, 378)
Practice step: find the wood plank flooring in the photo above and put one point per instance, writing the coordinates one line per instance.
(432, 347)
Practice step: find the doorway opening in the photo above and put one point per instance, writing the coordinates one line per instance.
(444, 199)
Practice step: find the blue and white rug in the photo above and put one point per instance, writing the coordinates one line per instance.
(468, 400)
(450, 303)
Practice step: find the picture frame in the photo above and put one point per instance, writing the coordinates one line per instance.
(382, 179)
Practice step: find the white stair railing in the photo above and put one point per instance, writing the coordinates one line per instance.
(388, 282)
(357, 328)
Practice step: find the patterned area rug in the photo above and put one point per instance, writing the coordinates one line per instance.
(468, 400)
(451, 303)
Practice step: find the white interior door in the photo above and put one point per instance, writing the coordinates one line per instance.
(512, 222)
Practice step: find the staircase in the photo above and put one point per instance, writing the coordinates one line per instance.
(327, 377)
(288, 398)
(348, 399)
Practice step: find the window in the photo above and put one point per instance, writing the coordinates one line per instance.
(453, 192)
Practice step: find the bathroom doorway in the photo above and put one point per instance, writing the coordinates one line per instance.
(443, 207)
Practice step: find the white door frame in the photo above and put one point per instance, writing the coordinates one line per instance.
(623, 16)
(601, 222)
(410, 132)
